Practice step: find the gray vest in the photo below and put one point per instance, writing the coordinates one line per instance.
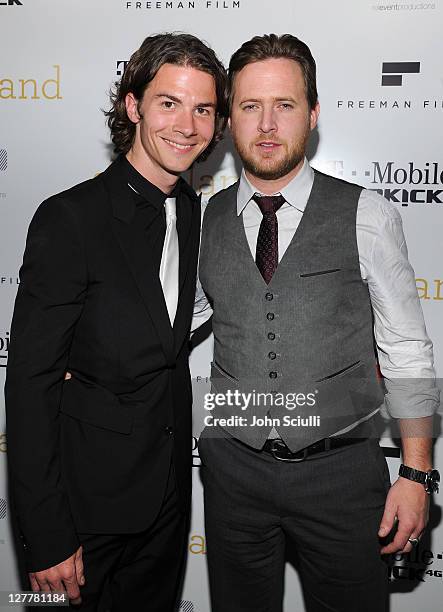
(297, 354)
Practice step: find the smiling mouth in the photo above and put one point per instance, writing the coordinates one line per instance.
(178, 146)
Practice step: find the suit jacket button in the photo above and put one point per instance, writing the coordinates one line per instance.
(269, 296)
(169, 430)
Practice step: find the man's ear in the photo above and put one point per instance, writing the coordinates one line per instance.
(314, 115)
(131, 104)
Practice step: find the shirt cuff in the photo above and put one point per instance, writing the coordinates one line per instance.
(411, 398)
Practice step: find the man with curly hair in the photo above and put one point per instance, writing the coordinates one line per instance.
(100, 463)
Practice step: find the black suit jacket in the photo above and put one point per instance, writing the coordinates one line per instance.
(92, 454)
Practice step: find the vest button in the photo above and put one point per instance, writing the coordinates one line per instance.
(269, 296)
(272, 355)
(270, 316)
(272, 374)
(169, 430)
(271, 336)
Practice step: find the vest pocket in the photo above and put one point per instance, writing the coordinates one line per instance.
(218, 372)
(342, 371)
(320, 272)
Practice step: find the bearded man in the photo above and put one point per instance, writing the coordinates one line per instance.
(303, 272)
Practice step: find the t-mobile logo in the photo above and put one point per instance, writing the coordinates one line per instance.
(3, 159)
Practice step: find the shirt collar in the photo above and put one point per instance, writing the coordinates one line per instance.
(144, 190)
(296, 193)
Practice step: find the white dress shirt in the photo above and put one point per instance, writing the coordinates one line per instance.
(404, 350)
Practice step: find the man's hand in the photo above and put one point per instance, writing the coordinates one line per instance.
(407, 502)
(66, 577)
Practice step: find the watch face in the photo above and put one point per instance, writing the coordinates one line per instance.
(432, 481)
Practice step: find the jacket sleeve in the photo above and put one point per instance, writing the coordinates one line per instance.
(53, 282)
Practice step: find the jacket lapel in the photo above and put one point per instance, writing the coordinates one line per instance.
(188, 239)
(188, 219)
(136, 244)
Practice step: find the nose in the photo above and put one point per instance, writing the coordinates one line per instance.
(267, 122)
(185, 123)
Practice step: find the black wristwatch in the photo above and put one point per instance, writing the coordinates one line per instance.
(429, 479)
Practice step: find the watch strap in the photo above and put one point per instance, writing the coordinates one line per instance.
(413, 474)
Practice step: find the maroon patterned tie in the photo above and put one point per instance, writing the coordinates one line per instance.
(266, 254)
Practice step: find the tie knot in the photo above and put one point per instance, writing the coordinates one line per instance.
(268, 204)
(170, 208)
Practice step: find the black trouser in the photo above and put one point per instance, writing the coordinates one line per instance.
(329, 506)
(140, 571)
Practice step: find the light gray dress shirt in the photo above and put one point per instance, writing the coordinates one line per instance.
(404, 349)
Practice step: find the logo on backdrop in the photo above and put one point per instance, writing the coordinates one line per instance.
(12, 88)
(2, 508)
(430, 289)
(394, 75)
(182, 4)
(424, 182)
(3, 167)
(9, 281)
(3, 160)
(4, 348)
(121, 67)
(405, 6)
(208, 184)
(415, 566)
(401, 183)
(196, 461)
(392, 72)
(197, 545)
(11, 3)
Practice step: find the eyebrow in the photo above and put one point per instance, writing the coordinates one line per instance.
(207, 104)
(175, 99)
(280, 99)
(286, 99)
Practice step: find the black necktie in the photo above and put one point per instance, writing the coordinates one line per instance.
(266, 254)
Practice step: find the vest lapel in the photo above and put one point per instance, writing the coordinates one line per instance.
(239, 239)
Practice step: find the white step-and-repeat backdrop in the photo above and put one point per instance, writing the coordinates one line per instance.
(381, 92)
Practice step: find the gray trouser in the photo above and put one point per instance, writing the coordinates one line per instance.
(328, 506)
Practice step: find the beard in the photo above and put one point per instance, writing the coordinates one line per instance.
(270, 168)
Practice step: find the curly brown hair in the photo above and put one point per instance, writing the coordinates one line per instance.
(155, 51)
